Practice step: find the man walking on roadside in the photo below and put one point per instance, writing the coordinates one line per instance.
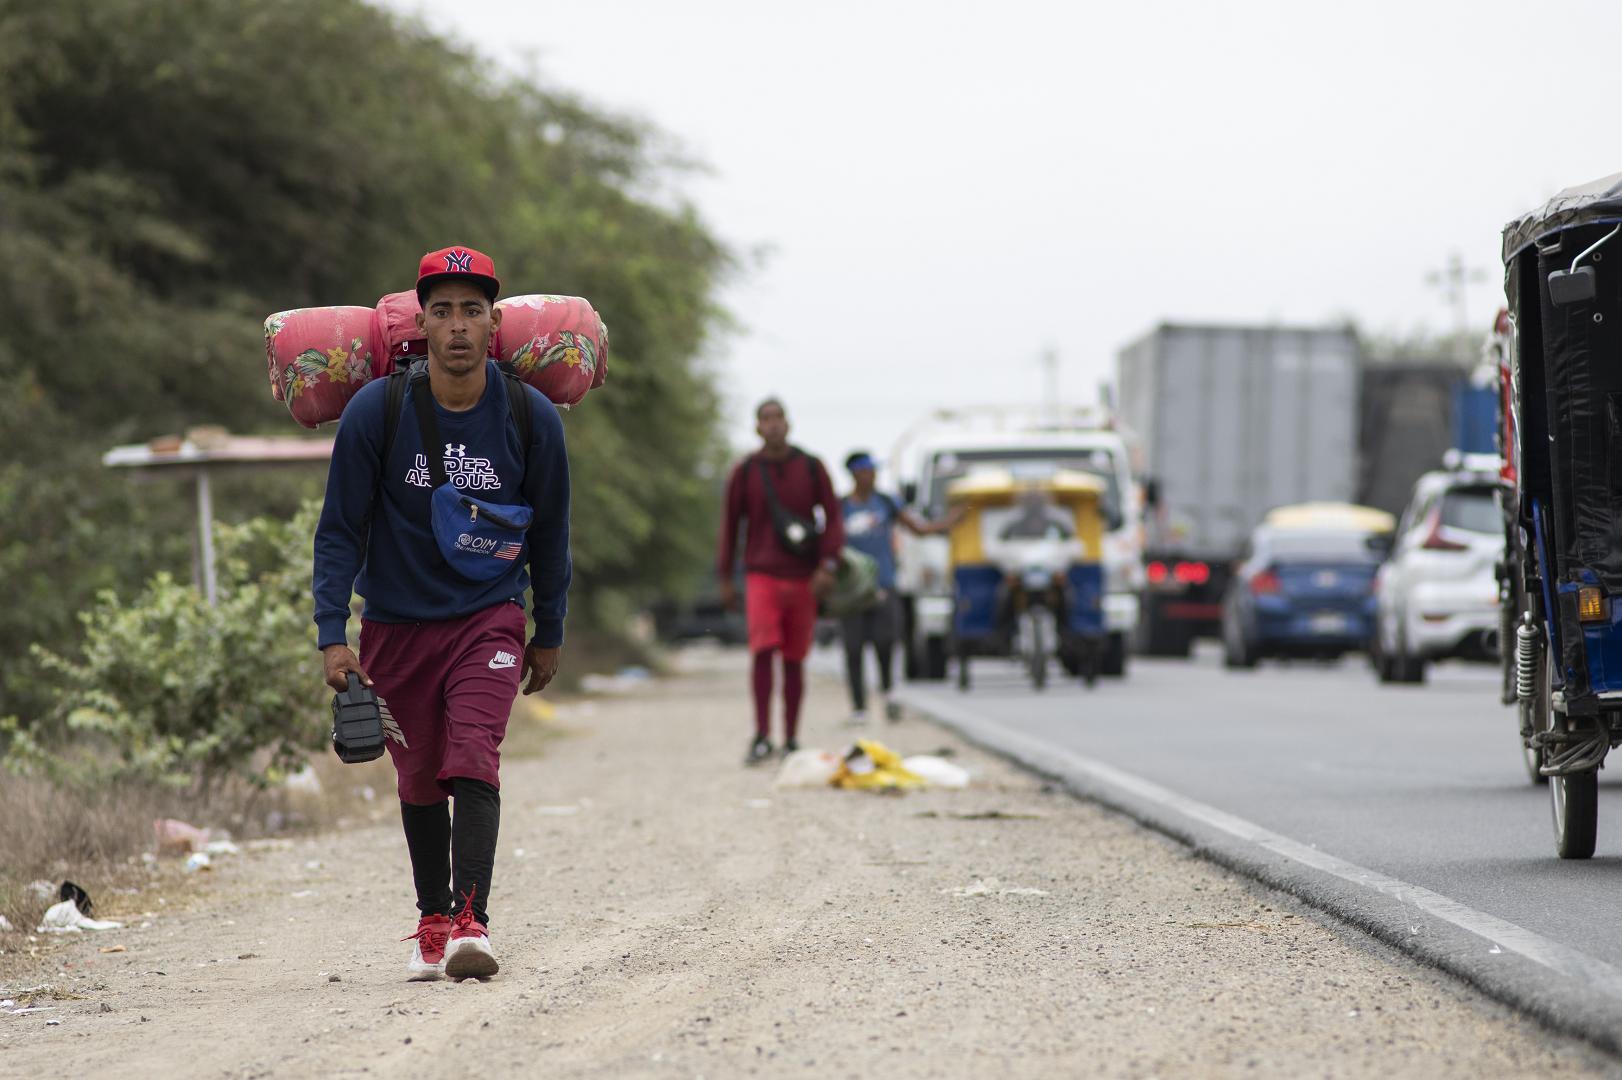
(442, 635)
(870, 519)
(788, 563)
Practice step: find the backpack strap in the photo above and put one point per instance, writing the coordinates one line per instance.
(422, 402)
(393, 402)
(518, 404)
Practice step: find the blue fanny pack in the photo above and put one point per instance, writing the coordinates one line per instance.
(480, 540)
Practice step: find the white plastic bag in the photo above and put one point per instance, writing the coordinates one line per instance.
(937, 771)
(65, 918)
(807, 769)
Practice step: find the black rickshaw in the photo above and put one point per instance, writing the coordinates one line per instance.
(1562, 573)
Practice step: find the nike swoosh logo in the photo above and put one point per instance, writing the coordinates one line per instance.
(494, 666)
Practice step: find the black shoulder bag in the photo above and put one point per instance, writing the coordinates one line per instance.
(799, 535)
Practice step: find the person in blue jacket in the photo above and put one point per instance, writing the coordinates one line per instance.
(446, 652)
(871, 518)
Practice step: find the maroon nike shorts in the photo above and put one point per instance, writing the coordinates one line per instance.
(446, 690)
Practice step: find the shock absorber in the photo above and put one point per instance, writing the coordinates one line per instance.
(1526, 660)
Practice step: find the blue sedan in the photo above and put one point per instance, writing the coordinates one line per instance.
(1302, 590)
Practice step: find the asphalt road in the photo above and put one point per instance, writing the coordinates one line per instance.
(1422, 783)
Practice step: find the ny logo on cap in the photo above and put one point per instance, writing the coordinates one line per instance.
(459, 262)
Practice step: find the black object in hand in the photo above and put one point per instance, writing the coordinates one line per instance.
(357, 723)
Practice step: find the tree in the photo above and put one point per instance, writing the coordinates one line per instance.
(171, 171)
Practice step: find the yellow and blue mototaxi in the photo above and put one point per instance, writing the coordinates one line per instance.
(1026, 560)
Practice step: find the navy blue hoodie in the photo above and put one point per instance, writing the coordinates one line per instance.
(400, 571)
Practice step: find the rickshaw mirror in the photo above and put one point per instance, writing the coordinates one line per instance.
(1380, 543)
(1151, 492)
(1573, 286)
(909, 493)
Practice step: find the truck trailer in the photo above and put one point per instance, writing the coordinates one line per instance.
(1230, 422)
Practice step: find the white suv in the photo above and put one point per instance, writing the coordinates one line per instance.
(1437, 595)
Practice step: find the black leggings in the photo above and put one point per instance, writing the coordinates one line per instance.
(436, 842)
(876, 627)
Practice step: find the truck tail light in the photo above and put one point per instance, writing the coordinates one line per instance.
(1155, 572)
(1192, 573)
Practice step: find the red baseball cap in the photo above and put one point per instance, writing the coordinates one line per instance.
(457, 262)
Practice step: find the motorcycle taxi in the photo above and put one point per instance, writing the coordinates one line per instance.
(1026, 560)
(1562, 567)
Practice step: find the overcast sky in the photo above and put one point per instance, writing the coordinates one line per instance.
(946, 189)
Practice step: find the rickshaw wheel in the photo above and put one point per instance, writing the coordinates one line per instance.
(1574, 798)
(1038, 659)
(1114, 659)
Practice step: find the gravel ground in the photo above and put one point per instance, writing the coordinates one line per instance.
(661, 911)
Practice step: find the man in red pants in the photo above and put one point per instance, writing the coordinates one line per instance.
(789, 560)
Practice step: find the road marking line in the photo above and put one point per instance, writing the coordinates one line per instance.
(1502, 934)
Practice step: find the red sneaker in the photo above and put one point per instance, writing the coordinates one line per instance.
(468, 954)
(428, 958)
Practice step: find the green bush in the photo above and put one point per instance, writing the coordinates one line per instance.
(172, 692)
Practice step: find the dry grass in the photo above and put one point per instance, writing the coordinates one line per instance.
(101, 841)
(46, 833)
(98, 840)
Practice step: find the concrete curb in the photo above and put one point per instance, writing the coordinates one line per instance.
(1560, 987)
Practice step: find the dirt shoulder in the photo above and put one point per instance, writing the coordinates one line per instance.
(661, 911)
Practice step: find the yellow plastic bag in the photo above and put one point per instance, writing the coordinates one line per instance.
(872, 766)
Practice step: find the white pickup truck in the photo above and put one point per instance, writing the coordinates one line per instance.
(943, 449)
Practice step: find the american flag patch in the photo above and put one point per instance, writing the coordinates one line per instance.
(509, 550)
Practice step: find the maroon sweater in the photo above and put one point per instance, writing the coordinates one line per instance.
(799, 489)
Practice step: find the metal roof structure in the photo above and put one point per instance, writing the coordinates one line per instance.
(204, 451)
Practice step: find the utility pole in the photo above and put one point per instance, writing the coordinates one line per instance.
(1454, 281)
(1050, 368)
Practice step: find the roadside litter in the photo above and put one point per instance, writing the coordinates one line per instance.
(981, 815)
(992, 887)
(5, 925)
(183, 838)
(937, 771)
(304, 781)
(622, 682)
(66, 918)
(869, 765)
(178, 837)
(872, 766)
(807, 769)
(198, 860)
(69, 914)
(80, 898)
